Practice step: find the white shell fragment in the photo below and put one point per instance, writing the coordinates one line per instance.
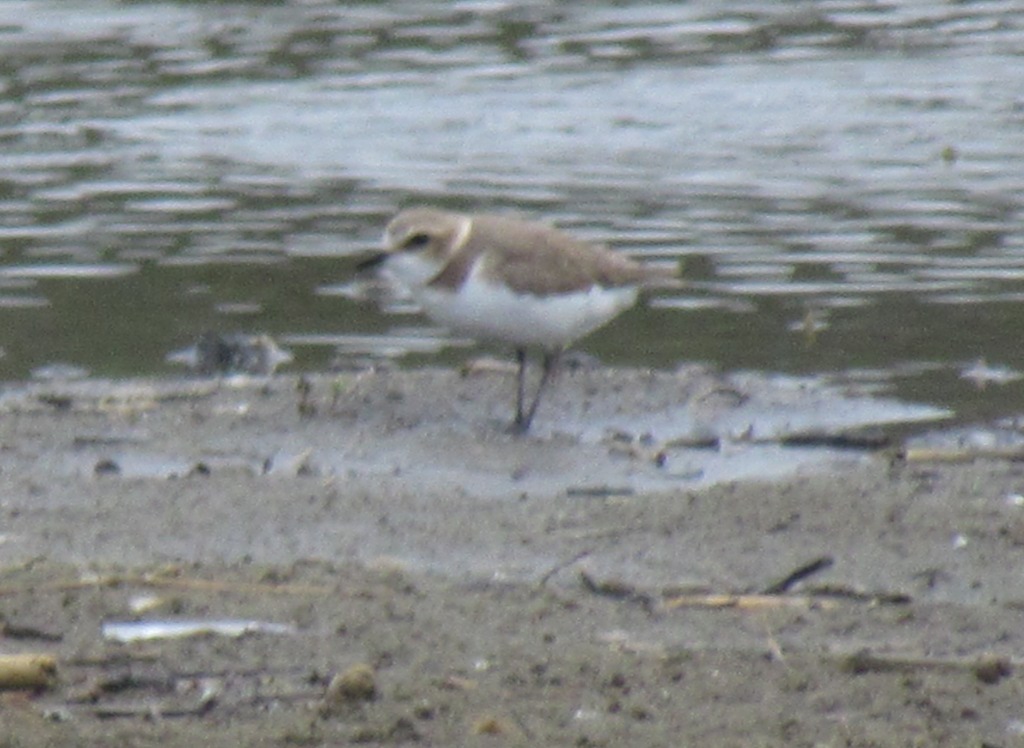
(133, 631)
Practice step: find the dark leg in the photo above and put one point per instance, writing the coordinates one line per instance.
(551, 359)
(517, 425)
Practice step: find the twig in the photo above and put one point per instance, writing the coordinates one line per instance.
(876, 598)
(614, 588)
(745, 602)
(27, 670)
(938, 454)
(15, 631)
(213, 585)
(987, 669)
(867, 440)
(798, 575)
(562, 565)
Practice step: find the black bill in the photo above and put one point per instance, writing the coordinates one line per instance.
(374, 261)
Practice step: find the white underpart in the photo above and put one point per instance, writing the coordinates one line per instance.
(486, 310)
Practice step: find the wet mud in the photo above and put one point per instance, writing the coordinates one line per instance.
(370, 558)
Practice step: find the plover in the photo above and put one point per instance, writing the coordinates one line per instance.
(503, 279)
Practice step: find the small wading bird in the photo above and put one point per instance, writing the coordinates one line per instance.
(497, 278)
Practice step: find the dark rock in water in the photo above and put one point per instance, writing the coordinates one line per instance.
(234, 353)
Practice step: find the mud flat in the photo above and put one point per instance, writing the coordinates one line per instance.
(672, 558)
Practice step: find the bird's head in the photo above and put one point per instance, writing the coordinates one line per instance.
(419, 242)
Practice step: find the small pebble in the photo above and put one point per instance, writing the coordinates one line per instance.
(491, 725)
(357, 683)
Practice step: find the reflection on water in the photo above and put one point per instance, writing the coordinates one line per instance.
(842, 179)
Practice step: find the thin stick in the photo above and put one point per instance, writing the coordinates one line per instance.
(27, 670)
(797, 575)
(988, 669)
(928, 454)
(746, 602)
(562, 565)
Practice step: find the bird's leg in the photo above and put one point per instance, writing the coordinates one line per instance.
(551, 359)
(520, 425)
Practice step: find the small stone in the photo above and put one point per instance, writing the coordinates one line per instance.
(991, 670)
(357, 683)
(491, 725)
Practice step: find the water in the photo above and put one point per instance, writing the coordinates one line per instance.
(842, 180)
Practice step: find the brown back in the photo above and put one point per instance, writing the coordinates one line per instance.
(539, 259)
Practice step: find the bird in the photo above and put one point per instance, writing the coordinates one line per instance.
(501, 278)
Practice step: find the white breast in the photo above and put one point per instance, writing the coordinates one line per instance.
(490, 311)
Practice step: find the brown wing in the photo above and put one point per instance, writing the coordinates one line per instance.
(533, 258)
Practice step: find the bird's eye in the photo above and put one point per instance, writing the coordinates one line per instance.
(416, 241)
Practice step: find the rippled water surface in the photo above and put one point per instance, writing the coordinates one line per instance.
(842, 180)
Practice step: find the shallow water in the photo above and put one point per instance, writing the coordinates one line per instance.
(843, 180)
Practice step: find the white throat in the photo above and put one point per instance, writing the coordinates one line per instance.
(414, 271)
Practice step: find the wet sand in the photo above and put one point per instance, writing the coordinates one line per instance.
(603, 582)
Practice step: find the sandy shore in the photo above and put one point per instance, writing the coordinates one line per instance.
(565, 589)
